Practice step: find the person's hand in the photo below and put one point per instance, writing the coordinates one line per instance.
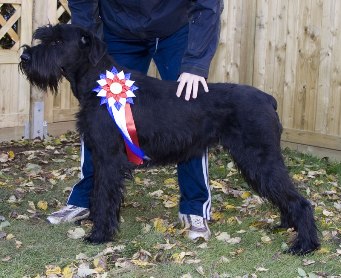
(192, 82)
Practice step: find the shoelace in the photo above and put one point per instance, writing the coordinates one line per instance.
(197, 221)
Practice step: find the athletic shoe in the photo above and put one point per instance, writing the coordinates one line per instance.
(68, 213)
(196, 225)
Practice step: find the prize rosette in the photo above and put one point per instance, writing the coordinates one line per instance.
(116, 91)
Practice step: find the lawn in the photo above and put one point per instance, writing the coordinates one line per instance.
(37, 175)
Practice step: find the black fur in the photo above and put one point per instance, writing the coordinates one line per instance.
(241, 118)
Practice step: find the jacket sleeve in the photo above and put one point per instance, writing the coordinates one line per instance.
(203, 36)
(85, 13)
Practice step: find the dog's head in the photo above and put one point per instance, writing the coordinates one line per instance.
(62, 50)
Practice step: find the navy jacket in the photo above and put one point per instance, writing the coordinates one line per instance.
(151, 19)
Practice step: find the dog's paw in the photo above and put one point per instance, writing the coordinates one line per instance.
(302, 248)
(97, 238)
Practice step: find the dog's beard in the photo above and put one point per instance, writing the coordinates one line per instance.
(42, 80)
(41, 71)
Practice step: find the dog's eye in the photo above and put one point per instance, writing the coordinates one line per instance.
(56, 42)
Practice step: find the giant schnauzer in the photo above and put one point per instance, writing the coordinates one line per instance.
(241, 118)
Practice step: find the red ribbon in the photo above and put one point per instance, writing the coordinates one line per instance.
(133, 135)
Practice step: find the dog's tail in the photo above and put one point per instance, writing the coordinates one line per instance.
(272, 101)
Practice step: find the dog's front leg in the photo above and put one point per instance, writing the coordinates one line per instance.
(107, 195)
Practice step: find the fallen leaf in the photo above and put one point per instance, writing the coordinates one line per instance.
(11, 155)
(141, 263)
(245, 195)
(170, 203)
(337, 206)
(223, 236)
(234, 240)
(266, 239)
(53, 269)
(42, 205)
(3, 157)
(301, 272)
(100, 264)
(262, 269)
(323, 250)
(31, 205)
(10, 236)
(6, 259)
(76, 233)
(146, 228)
(166, 246)
(138, 180)
(215, 184)
(159, 225)
(308, 262)
(67, 272)
(169, 181)
(327, 213)
(157, 193)
(32, 169)
(200, 270)
(180, 257)
(203, 245)
(217, 216)
(18, 244)
(84, 270)
(123, 263)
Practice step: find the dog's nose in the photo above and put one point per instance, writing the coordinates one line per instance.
(25, 57)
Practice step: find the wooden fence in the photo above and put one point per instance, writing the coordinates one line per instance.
(291, 49)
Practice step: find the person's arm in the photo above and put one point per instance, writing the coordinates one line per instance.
(203, 38)
(85, 13)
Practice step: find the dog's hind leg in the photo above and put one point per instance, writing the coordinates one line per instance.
(262, 165)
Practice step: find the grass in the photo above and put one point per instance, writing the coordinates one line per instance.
(30, 246)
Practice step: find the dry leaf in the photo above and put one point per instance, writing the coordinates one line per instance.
(266, 239)
(180, 257)
(170, 204)
(67, 272)
(6, 259)
(156, 194)
(10, 236)
(159, 225)
(223, 236)
(169, 181)
(217, 216)
(53, 269)
(215, 184)
(141, 263)
(200, 270)
(245, 195)
(76, 233)
(166, 246)
(234, 240)
(261, 269)
(18, 244)
(308, 262)
(84, 270)
(42, 205)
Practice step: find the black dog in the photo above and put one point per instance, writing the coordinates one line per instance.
(240, 118)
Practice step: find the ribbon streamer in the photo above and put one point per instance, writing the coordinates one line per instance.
(116, 91)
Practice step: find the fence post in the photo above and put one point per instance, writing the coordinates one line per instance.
(44, 12)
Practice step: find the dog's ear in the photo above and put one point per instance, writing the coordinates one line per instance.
(97, 47)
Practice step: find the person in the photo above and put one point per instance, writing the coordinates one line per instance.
(181, 37)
